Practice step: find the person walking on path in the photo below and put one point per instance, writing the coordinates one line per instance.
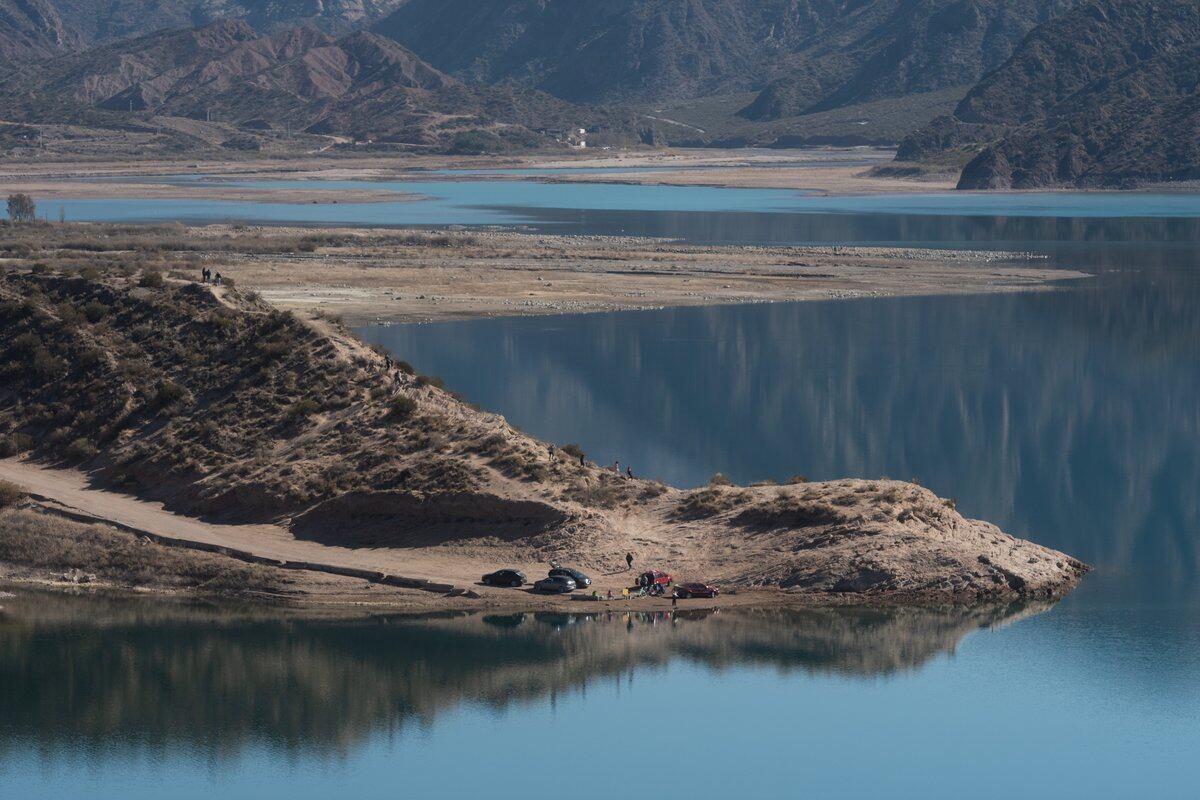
(629, 472)
(629, 561)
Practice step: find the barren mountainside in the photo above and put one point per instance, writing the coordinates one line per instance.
(361, 85)
(96, 22)
(1104, 96)
(804, 54)
(30, 29)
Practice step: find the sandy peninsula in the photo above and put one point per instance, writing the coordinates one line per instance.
(200, 417)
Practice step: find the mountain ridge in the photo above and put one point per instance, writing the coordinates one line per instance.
(1104, 96)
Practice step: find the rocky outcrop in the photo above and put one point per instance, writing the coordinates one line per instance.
(889, 49)
(1105, 96)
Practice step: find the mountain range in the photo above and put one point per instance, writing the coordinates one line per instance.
(1025, 93)
(360, 85)
(797, 55)
(1104, 96)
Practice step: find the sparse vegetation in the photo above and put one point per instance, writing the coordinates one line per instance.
(402, 407)
(14, 444)
(80, 449)
(574, 451)
(151, 279)
(42, 543)
(10, 494)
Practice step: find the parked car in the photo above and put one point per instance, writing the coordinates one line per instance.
(653, 577)
(581, 580)
(505, 577)
(686, 590)
(555, 584)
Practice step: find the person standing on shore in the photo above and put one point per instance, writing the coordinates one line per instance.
(629, 561)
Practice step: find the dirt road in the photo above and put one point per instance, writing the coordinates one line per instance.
(69, 491)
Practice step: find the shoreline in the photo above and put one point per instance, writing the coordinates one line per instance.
(368, 279)
(836, 171)
(430, 493)
(409, 275)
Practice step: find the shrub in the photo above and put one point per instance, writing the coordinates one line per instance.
(89, 273)
(719, 480)
(11, 494)
(95, 311)
(302, 409)
(795, 479)
(151, 279)
(47, 366)
(81, 450)
(168, 393)
(405, 367)
(402, 407)
(431, 380)
(574, 451)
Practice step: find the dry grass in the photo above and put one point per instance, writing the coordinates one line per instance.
(40, 543)
(10, 494)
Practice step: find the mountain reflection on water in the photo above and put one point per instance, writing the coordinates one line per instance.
(129, 673)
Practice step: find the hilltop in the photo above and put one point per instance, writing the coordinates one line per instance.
(1104, 96)
(223, 408)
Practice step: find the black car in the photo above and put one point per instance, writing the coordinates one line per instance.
(505, 577)
(555, 584)
(581, 580)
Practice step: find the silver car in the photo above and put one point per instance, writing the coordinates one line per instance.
(555, 584)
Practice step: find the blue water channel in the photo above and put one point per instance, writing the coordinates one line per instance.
(1071, 417)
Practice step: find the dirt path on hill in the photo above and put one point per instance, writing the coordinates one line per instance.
(68, 491)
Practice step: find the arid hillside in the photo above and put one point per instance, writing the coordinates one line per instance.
(222, 407)
(360, 86)
(1104, 96)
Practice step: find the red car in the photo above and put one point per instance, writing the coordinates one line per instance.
(686, 590)
(653, 578)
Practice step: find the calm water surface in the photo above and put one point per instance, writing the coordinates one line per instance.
(1069, 417)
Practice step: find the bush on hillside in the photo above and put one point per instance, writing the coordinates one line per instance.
(11, 494)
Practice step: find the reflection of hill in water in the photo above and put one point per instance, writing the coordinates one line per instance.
(150, 675)
(1070, 417)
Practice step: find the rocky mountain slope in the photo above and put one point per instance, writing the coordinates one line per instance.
(218, 405)
(30, 30)
(96, 22)
(808, 54)
(360, 85)
(1104, 96)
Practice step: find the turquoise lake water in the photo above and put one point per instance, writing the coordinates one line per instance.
(1070, 417)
